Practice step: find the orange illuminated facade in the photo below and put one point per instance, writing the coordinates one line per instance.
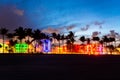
(90, 49)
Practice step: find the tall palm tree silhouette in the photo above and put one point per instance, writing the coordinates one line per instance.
(111, 47)
(58, 37)
(3, 32)
(68, 42)
(20, 33)
(28, 32)
(72, 43)
(63, 38)
(54, 36)
(10, 36)
(82, 39)
(71, 40)
(96, 39)
(105, 42)
(88, 40)
(36, 36)
(12, 45)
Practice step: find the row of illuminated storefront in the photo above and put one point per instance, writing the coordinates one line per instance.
(47, 48)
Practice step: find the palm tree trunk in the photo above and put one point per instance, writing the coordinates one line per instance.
(20, 46)
(63, 45)
(3, 43)
(54, 44)
(71, 48)
(115, 43)
(59, 46)
(28, 44)
(35, 47)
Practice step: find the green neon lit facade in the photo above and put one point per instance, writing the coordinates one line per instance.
(21, 48)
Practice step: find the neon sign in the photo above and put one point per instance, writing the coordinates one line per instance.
(46, 45)
(21, 48)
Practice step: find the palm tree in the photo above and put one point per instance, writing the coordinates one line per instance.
(28, 32)
(111, 39)
(36, 37)
(68, 42)
(88, 40)
(20, 33)
(111, 47)
(54, 35)
(63, 38)
(3, 32)
(11, 45)
(70, 37)
(10, 36)
(58, 37)
(72, 43)
(82, 39)
(105, 42)
(96, 39)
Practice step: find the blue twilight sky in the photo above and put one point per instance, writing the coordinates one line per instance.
(80, 16)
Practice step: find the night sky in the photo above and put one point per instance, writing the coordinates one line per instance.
(80, 16)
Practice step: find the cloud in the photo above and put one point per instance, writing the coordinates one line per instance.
(85, 28)
(97, 23)
(51, 30)
(12, 17)
(18, 12)
(95, 33)
(113, 34)
(70, 27)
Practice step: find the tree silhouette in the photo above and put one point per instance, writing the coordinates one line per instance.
(11, 45)
(54, 36)
(72, 43)
(105, 41)
(37, 36)
(28, 32)
(10, 36)
(96, 39)
(88, 40)
(3, 32)
(70, 40)
(111, 47)
(63, 38)
(58, 37)
(82, 39)
(20, 33)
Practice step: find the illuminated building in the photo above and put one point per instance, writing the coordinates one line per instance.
(46, 45)
(21, 48)
(6, 48)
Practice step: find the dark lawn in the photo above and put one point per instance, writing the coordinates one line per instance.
(58, 67)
